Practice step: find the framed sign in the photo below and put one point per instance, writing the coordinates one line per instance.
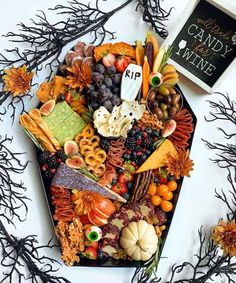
(204, 43)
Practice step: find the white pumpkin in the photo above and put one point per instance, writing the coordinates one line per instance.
(139, 240)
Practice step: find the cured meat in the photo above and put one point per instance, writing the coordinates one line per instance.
(68, 178)
(129, 212)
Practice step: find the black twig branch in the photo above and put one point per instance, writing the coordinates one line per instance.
(46, 40)
(25, 253)
(155, 15)
(13, 201)
(209, 264)
(225, 157)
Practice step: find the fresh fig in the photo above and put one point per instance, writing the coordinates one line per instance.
(79, 48)
(47, 107)
(71, 148)
(70, 55)
(169, 128)
(89, 50)
(75, 161)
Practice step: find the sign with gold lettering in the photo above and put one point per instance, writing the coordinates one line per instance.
(204, 46)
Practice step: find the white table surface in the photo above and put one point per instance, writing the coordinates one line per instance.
(196, 206)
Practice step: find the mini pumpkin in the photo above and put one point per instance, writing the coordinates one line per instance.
(139, 240)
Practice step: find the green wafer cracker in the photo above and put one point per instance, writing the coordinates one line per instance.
(60, 112)
(69, 128)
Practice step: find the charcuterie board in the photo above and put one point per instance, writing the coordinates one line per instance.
(113, 133)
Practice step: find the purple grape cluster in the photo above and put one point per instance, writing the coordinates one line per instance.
(105, 88)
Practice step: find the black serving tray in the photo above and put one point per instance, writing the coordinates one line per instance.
(110, 262)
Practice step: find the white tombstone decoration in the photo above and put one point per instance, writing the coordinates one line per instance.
(131, 82)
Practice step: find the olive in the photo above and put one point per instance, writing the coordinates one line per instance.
(158, 113)
(173, 110)
(177, 106)
(167, 99)
(172, 91)
(163, 106)
(165, 115)
(163, 90)
(152, 95)
(150, 105)
(155, 104)
(159, 98)
(175, 99)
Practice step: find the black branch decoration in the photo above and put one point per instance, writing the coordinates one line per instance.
(225, 110)
(19, 253)
(13, 201)
(155, 15)
(46, 40)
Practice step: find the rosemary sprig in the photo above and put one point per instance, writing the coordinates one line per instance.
(152, 264)
(157, 143)
(166, 56)
(88, 174)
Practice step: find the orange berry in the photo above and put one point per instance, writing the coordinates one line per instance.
(162, 190)
(166, 205)
(152, 189)
(172, 185)
(156, 200)
(168, 196)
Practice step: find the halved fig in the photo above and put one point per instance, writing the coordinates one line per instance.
(47, 107)
(169, 128)
(75, 161)
(71, 148)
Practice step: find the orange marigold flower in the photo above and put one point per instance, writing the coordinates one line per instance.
(17, 80)
(224, 235)
(81, 75)
(180, 165)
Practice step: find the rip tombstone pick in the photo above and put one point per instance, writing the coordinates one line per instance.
(131, 82)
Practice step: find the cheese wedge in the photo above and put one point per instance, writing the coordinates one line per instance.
(158, 157)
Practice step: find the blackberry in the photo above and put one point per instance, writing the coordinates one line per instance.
(119, 170)
(129, 185)
(156, 133)
(126, 156)
(43, 157)
(61, 155)
(132, 132)
(148, 131)
(48, 174)
(105, 144)
(52, 162)
(61, 98)
(138, 160)
(143, 157)
(130, 143)
(148, 141)
(126, 196)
